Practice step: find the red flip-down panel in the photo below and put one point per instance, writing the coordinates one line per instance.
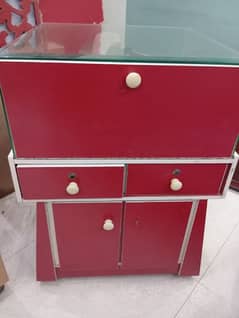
(81, 110)
(51, 183)
(197, 179)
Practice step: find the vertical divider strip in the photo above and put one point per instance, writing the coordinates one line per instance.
(120, 262)
(122, 224)
(188, 232)
(52, 234)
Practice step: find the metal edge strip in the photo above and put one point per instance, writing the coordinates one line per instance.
(52, 234)
(130, 199)
(231, 173)
(125, 179)
(109, 162)
(224, 177)
(58, 61)
(69, 165)
(14, 176)
(188, 233)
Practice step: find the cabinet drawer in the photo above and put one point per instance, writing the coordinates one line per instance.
(70, 182)
(189, 179)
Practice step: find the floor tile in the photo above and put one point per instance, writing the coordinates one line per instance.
(206, 304)
(17, 225)
(223, 275)
(128, 296)
(21, 267)
(222, 217)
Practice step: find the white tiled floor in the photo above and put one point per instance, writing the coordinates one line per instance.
(214, 294)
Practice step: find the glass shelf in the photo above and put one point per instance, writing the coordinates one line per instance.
(152, 31)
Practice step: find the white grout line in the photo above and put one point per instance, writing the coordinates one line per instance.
(200, 278)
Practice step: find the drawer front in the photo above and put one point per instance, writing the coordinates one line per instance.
(175, 179)
(171, 114)
(70, 182)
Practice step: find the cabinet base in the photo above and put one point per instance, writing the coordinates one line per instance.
(69, 274)
(47, 271)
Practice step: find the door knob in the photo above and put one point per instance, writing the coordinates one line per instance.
(72, 188)
(108, 225)
(133, 80)
(176, 184)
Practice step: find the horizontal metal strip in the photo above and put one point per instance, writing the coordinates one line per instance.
(109, 162)
(65, 61)
(69, 165)
(132, 199)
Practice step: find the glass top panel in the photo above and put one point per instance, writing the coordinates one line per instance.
(186, 31)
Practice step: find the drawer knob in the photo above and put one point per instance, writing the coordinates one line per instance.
(108, 225)
(72, 188)
(133, 80)
(176, 184)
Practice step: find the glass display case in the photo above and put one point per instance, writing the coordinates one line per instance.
(122, 130)
(141, 31)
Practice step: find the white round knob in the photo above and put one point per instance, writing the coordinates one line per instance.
(133, 80)
(108, 225)
(176, 185)
(72, 188)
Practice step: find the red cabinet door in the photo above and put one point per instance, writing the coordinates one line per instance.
(153, 235)
(62, 110)
(83, 244)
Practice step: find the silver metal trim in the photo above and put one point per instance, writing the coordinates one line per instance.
(231, 173)
(188, 233)
(49, 61)
(68, 165)
(14, 176)
(171, 198)
(132, 199)
(22, 163)
(121, 161)
(224, 176)
(125, 180)
(52, 234)
(100, 200)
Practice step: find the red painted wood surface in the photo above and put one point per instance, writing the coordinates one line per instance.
(51, 183)
(44, 265)
(197, 179)
(72, 11)
(82, 242)
(74, 110)
(192, 261)
(6, 13)
(153, 235)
